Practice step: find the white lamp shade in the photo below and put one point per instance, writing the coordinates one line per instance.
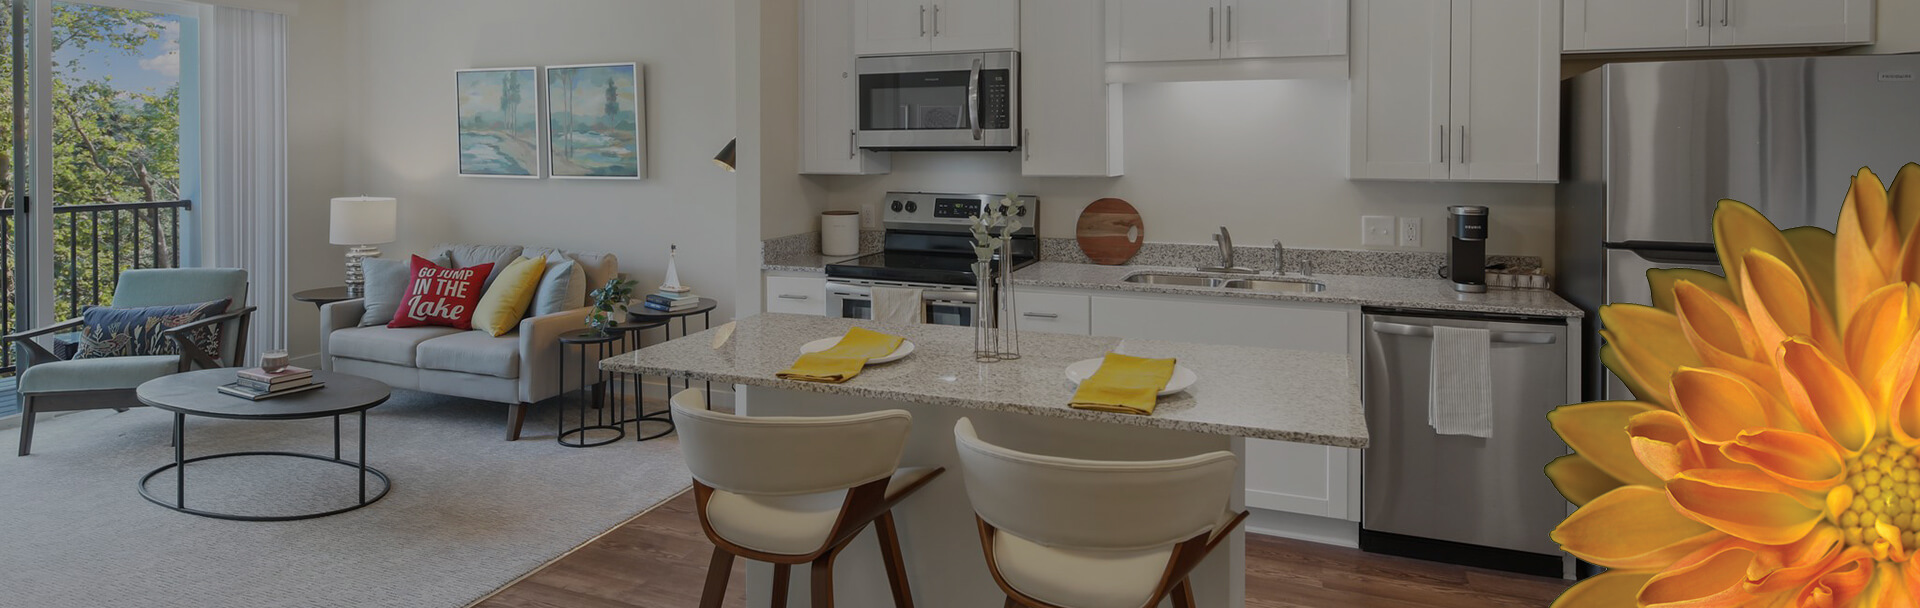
(363, 220)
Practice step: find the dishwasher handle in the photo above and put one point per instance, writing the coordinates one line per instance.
(1503, 337)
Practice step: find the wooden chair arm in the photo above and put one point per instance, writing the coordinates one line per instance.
(191, 355)
(35, 352)
(35, 333)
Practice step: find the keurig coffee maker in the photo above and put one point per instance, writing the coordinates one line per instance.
(1467, 248)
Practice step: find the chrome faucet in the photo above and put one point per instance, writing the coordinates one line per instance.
(1225, 239)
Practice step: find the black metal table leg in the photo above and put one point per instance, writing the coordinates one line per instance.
(180, 460)
(363, 451)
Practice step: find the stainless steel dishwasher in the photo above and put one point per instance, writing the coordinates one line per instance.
(1459, 499)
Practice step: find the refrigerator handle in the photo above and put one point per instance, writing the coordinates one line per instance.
(1673, 256)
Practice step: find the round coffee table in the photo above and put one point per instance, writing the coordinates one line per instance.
(196, 394)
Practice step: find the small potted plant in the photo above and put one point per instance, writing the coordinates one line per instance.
(607, 299)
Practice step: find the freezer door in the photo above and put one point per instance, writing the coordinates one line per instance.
(1627, 283)
(1487, 492)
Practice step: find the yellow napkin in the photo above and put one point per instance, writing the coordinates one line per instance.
(1124, 385)
(845, 360)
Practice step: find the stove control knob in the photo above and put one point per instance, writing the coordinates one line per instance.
(896, 206)
(912, 208)
(1022, 212)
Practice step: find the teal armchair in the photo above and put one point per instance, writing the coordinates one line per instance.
(48, 383)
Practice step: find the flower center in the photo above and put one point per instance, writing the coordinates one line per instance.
(1886, 484)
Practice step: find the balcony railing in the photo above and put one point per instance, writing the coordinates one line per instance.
(92, 245)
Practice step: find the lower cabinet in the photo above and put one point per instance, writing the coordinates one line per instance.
(1054, 313)
(800, 295)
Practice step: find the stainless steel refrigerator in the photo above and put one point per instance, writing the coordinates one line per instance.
(1653, 147)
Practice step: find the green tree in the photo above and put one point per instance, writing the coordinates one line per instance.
(510, 99)
(613, 102)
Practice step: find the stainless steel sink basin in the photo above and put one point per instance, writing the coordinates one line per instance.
(1275, 285)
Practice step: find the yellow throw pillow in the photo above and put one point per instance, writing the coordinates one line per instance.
(507, 299)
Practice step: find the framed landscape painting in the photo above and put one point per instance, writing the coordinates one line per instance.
(499, 122)
(596, 121)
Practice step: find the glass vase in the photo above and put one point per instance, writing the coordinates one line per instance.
(986, 337)
(1009, 326)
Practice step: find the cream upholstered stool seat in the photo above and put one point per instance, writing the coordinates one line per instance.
(794, 490)
(1071, 533)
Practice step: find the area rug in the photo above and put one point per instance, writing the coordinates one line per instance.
(468, 512)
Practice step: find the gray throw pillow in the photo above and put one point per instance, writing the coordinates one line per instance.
(562, 288)
(386, 284)
(135, 332)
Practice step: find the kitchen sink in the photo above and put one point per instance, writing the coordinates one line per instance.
(1275, 285)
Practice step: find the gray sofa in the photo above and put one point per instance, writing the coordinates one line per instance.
(518, 368)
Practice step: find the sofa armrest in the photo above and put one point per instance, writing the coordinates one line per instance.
(539, 349)
(335, 316)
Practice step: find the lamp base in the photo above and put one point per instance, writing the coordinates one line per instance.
(356, 276)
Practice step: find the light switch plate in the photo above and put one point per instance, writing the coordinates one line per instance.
(1376, 231)
(869, 217)
(1409, 232)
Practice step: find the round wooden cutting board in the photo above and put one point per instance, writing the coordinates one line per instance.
(1110, 232)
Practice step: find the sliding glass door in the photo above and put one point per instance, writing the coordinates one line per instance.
(102, 97)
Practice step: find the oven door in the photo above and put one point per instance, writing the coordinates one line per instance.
(951, 101)
(944, 306)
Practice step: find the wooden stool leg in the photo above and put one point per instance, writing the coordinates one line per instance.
(26, 425)
(717, 571)
(1012, 603)
(896, 565)
(782, 574)
(1183, 595)
(823, 578)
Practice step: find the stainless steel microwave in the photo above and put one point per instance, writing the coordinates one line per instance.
(956, 101)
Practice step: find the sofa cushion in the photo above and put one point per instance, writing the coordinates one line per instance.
(384, 344)
(466, 256)
(562, 287)
(387, 282)
(505, 303)
(473, 352)
(598, 267)
(96, 374)
(441, 296)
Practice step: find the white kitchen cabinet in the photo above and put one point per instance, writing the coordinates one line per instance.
(1070, 123)
(797, 295)
(1638, 25)
(896, 27)
(1466, 90)
(1054, 313)
(1281, 476)
(828, 103)
(1185, 30)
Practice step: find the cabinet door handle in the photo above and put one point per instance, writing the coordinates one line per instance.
(923, 21)
(1463, 145)
(1040, 315)
(853, 144)
(936, 20)
(788, 296)
(1501, 337)
(1210, 26)
(1229, 24)
(1446, 144)
(1026, 143)
(1726, 13)
(1700, 20)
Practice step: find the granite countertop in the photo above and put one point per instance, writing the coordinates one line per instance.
(813, 262)
(1260, 393)
(1425, 294)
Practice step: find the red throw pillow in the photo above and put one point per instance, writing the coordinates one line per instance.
(440, 296)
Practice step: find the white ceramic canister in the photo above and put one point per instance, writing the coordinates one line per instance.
(840, 233)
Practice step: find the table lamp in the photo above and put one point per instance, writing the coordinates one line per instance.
(362, 222)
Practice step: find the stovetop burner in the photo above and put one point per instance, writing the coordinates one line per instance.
(911, 267)
(927, 240)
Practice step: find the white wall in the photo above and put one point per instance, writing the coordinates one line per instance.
(399, 136)
(316, 158)
(1268, 159)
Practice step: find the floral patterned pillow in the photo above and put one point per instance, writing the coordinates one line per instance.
(132, 332)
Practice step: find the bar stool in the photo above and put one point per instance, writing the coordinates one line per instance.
(1070, 533)
(796, 490)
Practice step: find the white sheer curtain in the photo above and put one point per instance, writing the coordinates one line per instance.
(244, 136)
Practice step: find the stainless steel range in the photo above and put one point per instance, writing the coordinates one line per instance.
(927, 247)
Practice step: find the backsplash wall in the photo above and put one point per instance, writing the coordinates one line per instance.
(1267, 159)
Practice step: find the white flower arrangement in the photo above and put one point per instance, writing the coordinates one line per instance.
(1003, 214)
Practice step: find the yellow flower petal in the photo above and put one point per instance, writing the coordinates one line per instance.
(1609, 590)
(1649, 344)
(1839, 499)
(1826, 399)
(1793, 566)
(1796, 459)
(1662, 444)
(1719, 405)
(1814, 245)
(1721, 334)
(1633, 527)
(1780, 307)
(1598, 431)
(1867, 246)
(1663, 279)
(1877, 343)
(1745, 504)
(1904, 196)
(1716, 580)
(1888, 588)
(1737, 229)
(1578, 480)
(1842, 581)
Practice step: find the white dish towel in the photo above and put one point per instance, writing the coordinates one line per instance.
(899, 305)
(1461, 401)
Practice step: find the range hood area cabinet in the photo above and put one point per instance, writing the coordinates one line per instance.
(1459, 90)
(829, 109)
(1186, 30)
(1606, 26)
(902, 27)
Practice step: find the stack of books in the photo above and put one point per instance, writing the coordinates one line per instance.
(256, 384)
(667, 300)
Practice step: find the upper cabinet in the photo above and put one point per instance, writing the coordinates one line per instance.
(1456, 90)
(828, 108)
(1186, 30)
(898, 27)
(1070, 115)
(1635, 25)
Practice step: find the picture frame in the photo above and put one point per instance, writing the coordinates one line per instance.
(596, 121)
(498, 112)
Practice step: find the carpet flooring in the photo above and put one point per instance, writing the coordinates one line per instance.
(468, 512)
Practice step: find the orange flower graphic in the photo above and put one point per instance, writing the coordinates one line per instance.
(1773, 455)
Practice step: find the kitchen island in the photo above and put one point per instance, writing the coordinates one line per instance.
(1242, 393)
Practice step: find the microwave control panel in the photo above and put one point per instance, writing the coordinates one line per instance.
(996, 93)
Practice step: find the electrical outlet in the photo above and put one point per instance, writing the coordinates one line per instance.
(869, 217)
(1409, 232)
(1376, 231)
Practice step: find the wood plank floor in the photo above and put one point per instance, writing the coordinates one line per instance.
(659, 560)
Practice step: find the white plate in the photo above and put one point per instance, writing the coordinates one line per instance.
(905, 348)
(1182, 379)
